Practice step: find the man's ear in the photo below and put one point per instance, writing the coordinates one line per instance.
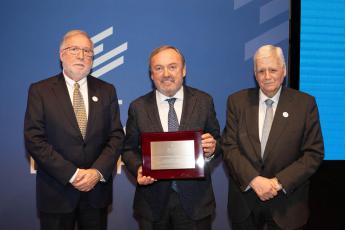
(61, 55)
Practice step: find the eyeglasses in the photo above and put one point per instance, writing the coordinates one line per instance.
(75, 50)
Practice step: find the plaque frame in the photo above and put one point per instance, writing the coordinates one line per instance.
(148, 137)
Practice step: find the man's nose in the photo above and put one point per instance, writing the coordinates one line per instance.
(267, 74)
(166, 71)
(81, 54)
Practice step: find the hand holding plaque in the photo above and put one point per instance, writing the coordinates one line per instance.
(208, 144)
(172, 155)
(144, 180)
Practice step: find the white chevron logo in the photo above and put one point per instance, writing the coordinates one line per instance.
(97, 68)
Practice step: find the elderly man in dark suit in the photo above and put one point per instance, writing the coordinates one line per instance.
(73, 131)
(272, 144)
(159, 204)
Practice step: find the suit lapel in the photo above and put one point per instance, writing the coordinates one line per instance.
(92, 92)
(60, 90)
(252, 121)
(151, 110)
(279, 122)
(189, 101)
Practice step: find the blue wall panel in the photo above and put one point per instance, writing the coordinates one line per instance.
(217, 37)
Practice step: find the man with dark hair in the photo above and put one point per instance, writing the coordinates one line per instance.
(167, 204)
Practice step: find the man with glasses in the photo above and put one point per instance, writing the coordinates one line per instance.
(168, 204)
(73, 131)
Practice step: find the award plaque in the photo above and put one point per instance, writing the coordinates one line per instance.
(172, 155)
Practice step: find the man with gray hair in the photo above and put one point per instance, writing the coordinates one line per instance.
(73, 131)
(272, 144)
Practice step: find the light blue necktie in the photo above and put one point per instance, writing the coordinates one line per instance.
(173, 125)
(267, 125)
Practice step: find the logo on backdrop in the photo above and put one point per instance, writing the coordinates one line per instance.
(102, 64)
(275, 34)
(105, 62)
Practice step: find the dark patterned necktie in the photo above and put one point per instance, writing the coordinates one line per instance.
(79, 109)
(267, 125)
(172, 117)
(172, 126)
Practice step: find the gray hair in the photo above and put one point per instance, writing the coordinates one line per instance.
(72, 33)
(270, 49)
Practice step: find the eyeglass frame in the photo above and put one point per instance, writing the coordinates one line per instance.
(86, 51)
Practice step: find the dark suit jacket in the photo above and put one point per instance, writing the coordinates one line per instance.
(196, 196)
(53, 139)
(293, 153)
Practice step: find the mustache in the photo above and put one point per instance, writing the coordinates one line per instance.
(79, 64)
(168, 78)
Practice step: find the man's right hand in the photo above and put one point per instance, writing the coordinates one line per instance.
(86, 179)
(144, 180)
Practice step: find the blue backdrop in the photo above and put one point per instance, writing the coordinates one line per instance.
(322, 71)
(217, 37)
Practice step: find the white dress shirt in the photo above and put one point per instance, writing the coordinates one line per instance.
(262, 111)
(163, 107)
(83, 90)
(262, 108)
(85, 94)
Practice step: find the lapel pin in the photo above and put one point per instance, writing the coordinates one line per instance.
(95, 99)
(285, 114)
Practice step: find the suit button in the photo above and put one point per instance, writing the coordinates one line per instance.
(262, 167)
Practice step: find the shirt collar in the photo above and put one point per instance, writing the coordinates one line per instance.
(71, 82)
(275, 98)
(178, 95)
